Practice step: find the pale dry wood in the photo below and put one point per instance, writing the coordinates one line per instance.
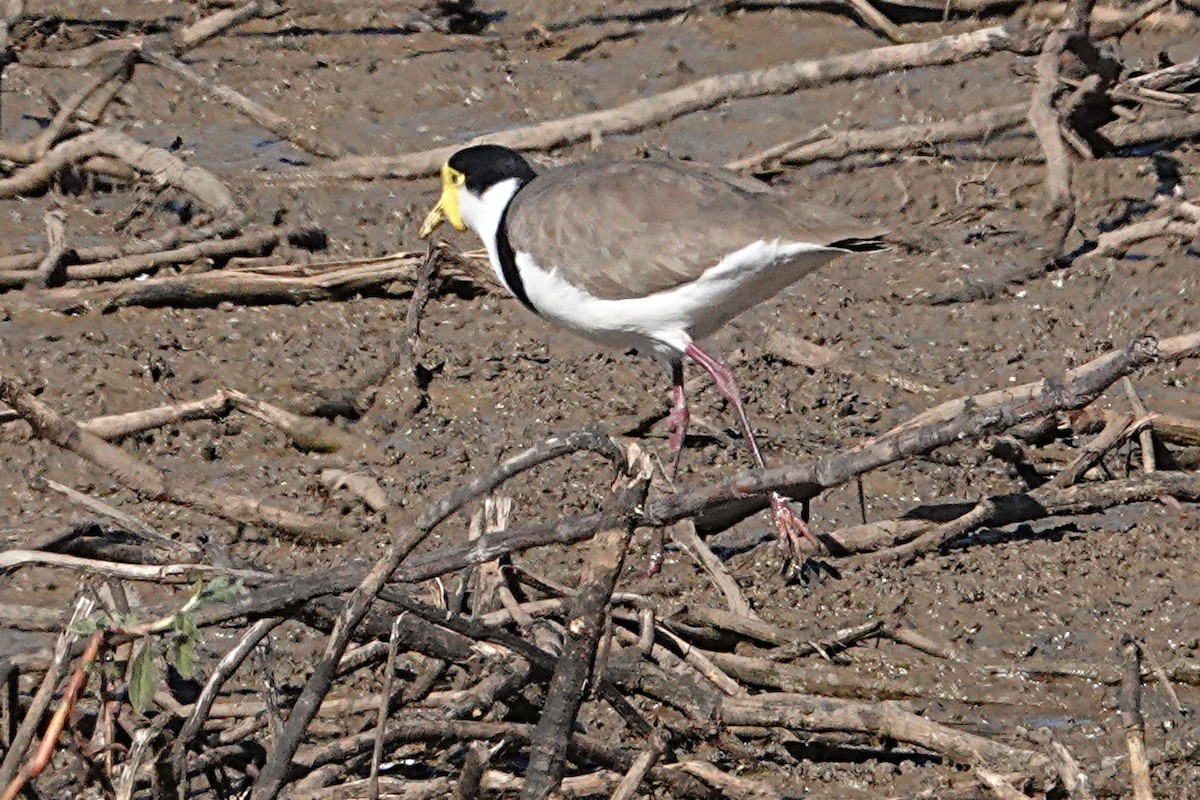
(830, 680)
(114, 427)
(286, 284)
(363, 486)
(1176, 429)
(1116, 427)
(19, 744)
(115, 74)
(1116, 243)
(979, 126)
(1074, 779)
(633, 777)
(642, 113)
(225, 668)
(732, 786)
(140, 264)
(179, 42)
(809, 713)
(164, 573)
(683, 533)
(277, 124)
(921, 642)
(154, 163)
(152, 483)
(998, 784)
(307, 433)
(801, 351)
(50, 271)
(1047, 127)
(1112, 19)
(1131, 716)
(1167, 77)
(1145, 432)
(1043, 502)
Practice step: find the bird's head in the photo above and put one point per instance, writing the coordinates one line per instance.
(466, 178)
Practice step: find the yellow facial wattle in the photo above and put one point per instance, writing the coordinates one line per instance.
(446, 209)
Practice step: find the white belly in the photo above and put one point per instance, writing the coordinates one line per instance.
(665, 323)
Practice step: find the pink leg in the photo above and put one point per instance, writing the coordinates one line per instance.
(789, 524)
(677, 424)
(677, 420)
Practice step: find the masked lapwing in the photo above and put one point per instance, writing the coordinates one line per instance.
(652, 255)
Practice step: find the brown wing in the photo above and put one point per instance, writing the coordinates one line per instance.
(629, 229)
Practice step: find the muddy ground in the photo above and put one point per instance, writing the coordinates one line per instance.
(1067, 590)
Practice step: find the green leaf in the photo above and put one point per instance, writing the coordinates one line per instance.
(86, 626)
(222, 590)
(143, 676)
(185, 656)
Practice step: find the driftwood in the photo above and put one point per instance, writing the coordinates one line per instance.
(156, 163)
(697, 96)
(283, 284)
(150, 482)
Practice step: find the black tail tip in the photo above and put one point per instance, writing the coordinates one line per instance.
(856, 244)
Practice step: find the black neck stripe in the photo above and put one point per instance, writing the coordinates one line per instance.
(508, 260)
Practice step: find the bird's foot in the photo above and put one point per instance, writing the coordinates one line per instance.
(793, 530)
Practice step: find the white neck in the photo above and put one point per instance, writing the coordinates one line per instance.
(482, 213)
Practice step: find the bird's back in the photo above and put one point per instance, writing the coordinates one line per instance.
(628, 229)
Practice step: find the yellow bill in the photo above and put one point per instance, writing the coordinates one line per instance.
(446, 209)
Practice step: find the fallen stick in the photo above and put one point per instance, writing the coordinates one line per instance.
(114, 427)
(273, 122)
(11, 266)
(44, 696)
(979, 126)
(807, 713)
(1045, 501)
(165, 573)
(1116, 243)
(1115, 431)
(830, 680)
(587, 621)
(727, 784)
(1169, 129)
(1131, 716)
(45, 751)
(181, 41)
(402, 362)
(250, 286)
(50, 271)
(153, 483)
(118, 72)
(803, 352)
(176, 763)
(1047, 124)
(1145, 432)
(1176, 429)
(155, 163)
(706, 93)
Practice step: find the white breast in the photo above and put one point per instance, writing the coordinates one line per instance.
(665, 323)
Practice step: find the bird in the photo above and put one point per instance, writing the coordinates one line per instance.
(647, 254)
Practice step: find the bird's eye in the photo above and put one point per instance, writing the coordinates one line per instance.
(459, 179)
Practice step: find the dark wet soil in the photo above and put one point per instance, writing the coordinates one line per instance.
(1066, 589)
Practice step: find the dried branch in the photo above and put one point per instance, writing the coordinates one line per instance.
(273, 122)
(587, 622)
(153, 162)
(151, 482)
(1131, 715)
(697, 96)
